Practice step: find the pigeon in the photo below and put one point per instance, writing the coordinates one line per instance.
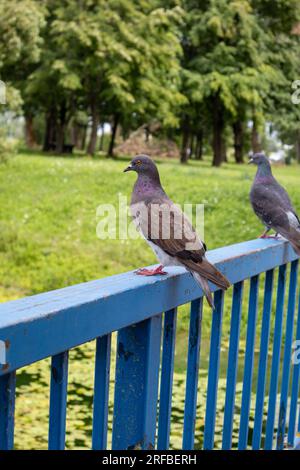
(272, 204)
(167, 230)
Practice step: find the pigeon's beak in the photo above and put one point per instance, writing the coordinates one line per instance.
(129, 168)
(250, 161)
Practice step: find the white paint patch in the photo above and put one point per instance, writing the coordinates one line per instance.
(293, 220)
(2, 352)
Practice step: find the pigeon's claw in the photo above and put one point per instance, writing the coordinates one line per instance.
(274, 237)
(264, 235)
(151, 272)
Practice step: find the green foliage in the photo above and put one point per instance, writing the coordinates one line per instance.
(226, 50)
(97, 55)
(203, 66)
(21, 22)
(7, 149)
(239, 58)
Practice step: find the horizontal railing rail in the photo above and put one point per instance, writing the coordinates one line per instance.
(49, 324)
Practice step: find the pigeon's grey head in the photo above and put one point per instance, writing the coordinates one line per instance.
(259, 159)
(143, 165)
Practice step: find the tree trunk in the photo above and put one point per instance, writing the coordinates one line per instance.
(192, 146)
(101, 138)
(110, 152)
(49, 137)
(76, 131)
(29, 131)
(199, 145)
(224, 150)
(218, 127)
(255, 138)
(147, 134)
(95, 123)
(83, 139)
(184, 152)
(60, 137)
(46, 144)
(238, 135)
(60, 129)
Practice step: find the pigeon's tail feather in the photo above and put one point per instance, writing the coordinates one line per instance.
(209, 272)
(293, 236)
(205, 287)
(296, 246)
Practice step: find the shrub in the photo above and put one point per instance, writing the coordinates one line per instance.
(7, 149)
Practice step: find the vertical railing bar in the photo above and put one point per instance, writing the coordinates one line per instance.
(249, 360)
(101, 392)
(213, 372)
(263, 359)
(166, 383)
(152, 379)
(287, 355)
(232, 364)
(58, 401)
(7, 410)
(136, 385)
(190, 407)
(275, 357)
(295, 386)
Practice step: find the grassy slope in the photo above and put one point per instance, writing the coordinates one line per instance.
(48, 216)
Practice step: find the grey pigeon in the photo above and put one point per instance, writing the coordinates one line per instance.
(272, 204)
(167, 230)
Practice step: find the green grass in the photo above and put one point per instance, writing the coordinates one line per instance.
(48, 216)
(32, 406)
(48, 240)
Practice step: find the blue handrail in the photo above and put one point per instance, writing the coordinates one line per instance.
(50, 324)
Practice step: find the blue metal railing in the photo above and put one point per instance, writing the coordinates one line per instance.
(48, 325)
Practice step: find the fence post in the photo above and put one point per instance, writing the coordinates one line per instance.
(136, 386)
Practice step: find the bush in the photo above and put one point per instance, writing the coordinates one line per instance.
(7, 149)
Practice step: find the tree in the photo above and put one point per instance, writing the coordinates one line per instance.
(225, 65)
(21, 22)
(281, 21)
(103, 44)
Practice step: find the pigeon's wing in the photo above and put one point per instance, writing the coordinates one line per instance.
(266, 204)
(274, 212)
(282, 194)
(169, 229)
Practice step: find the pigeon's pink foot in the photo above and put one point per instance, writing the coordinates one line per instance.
(151, 272)
(274, 237)
(264, 235)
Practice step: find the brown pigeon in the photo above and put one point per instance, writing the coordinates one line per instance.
(167, 230)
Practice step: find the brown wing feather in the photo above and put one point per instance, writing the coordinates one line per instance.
(208, 271)
(177, 237)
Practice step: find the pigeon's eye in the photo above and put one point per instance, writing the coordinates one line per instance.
(138, 162)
